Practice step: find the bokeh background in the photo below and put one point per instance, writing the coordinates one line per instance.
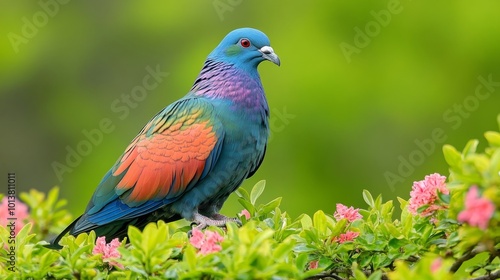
(361, 83)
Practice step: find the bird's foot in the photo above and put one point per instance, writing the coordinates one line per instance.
(217, 220)
(221, 217)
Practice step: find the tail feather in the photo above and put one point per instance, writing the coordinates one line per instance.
(54, 244)
(117, 229)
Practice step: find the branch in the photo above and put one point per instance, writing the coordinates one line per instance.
(413, 259)
(493, 255)
(331, 275)
(325, 276)
(491, 276)
(467, 256)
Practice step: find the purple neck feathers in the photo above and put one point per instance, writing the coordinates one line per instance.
(219, 80)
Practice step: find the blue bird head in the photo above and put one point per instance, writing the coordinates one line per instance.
(245, 48)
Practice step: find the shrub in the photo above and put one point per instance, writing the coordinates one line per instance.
(446, 230)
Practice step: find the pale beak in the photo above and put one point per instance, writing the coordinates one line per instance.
(268, 53)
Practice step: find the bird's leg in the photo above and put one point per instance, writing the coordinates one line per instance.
(217, 220)
(203, 221)
(221, 217)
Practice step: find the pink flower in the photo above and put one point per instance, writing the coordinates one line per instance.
(345, 237)
(245, 213)
(207, 243)
(13, 209)
(436, 265)
(425, 193)
(343, 212)
(108, 250)
(197, 238)
(478, 210)
(313, 264)
(348, 236)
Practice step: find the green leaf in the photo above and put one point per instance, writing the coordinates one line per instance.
(358, 274)
(394, 231)
(270, 206)
(277, 219)
(78, 252)
(303, 248)
(364, 258)
(470, 147)
(451, 155)
(135, 236)
(247, 205)
(319, 222)
(493, 138)
(306, 221)
(402, 203)
(22, 235)
(257, 190)
(301, 261)
(422, 208)
(283, 249)
(494, 167)
(387, 209)
(48, 259)
(262, 237)
(241, 192)
(52, 196)
(190, 257)
(481, 162)
(378, 202)
(445, 198)
(380, 260)
(396, 244)
(367, 196)
(339, 227)
(377, 275)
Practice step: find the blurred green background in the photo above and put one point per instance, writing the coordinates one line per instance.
(361, 83)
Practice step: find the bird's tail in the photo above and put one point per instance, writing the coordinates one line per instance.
(116, 229)
(54, 244)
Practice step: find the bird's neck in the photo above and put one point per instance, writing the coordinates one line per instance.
(219, 80)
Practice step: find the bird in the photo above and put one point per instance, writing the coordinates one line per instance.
(194, 153)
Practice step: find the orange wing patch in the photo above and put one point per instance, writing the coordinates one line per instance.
(165, 163)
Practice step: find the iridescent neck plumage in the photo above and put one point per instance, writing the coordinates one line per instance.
(219, 80)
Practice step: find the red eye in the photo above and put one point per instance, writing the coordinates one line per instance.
(245, 43)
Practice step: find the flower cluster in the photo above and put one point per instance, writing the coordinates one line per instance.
(313, 264)
(343, 212)
(351, 215)
(478, 210)
(21, 213)
(425, 192)
(208, 242)
(108, 250)
(346, 237)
